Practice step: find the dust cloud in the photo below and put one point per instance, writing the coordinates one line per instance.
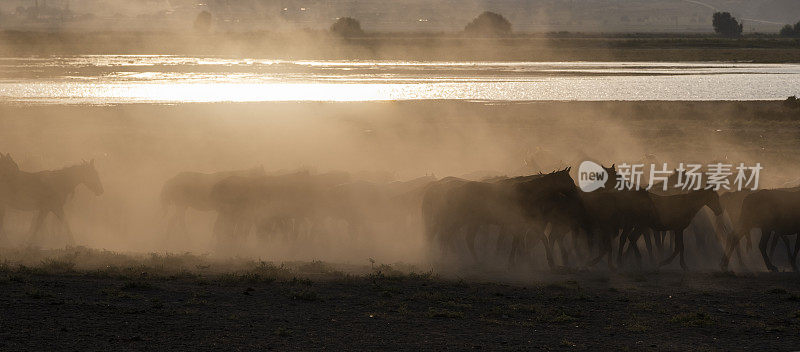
(137, 148)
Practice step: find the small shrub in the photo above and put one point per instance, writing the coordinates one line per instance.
(347, 27)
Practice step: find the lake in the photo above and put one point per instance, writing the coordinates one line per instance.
(114, 79)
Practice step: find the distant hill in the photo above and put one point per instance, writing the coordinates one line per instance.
(398, 15)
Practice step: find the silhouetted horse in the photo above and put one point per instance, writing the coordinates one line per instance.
(618, 213)
(732, 206)
(269, 203)
(515, 204)
(706, 228)
(676, 212)
(47, 191)
(192, 190)
(771, 211)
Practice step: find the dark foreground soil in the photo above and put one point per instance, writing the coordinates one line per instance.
(266, 308)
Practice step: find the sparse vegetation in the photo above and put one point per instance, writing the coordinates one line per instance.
(254, 290)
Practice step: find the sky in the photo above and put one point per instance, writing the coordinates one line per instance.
(410, 15)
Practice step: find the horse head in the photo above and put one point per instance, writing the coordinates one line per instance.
(611, 181)
(89, 177)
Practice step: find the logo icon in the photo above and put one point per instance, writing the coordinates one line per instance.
(591, 176)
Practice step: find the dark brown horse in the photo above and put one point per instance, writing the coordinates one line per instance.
(192, 190)
(46, 192)
(771, 211)
(618, 213)
(676, 212)
(514, 204)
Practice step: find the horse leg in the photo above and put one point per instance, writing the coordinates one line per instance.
(519, 239)
(36, 225)
(499, 243)
(659, 241)
(733, 243)
(59, 213)
(634, 247)
(576, 248)
(602, 245)
(796, 249)
(173, 219)
(789, 251)
(762, 246)
(472, 232)
(557, 235)
(648, 244)
(674, 252)
(512, 255)
(774, 244)
(548, 253)
(623, 238)
(610, 253)
(679, 247)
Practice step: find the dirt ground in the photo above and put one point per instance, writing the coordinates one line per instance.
(122, 299)
(57, 305)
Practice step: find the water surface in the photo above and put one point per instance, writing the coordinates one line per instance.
(109, 79)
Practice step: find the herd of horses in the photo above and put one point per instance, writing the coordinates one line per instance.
(518, 213)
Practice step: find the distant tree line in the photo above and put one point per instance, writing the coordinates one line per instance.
(791, 31)
(486, 24)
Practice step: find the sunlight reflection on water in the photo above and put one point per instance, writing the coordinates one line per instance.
(166, 79)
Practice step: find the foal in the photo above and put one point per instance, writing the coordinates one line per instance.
(46, 192)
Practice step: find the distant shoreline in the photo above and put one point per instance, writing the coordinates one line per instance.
(757, 48)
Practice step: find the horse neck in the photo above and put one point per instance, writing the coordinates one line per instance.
(67, 179)
(697, 201)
